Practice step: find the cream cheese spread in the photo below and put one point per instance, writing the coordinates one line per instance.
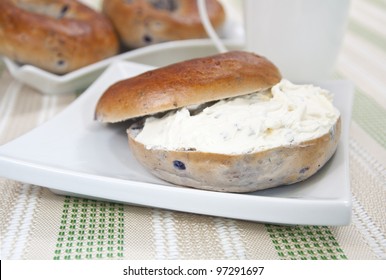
(287, 114)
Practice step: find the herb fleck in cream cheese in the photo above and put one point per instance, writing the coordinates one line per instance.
(285, 115)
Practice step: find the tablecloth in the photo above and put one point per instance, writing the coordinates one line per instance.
(38, 224)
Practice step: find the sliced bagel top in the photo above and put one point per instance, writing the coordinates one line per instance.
(190, 82)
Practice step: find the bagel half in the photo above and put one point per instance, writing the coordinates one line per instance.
(58, 36)
(237, 173)
(141, 23)
(200, 81)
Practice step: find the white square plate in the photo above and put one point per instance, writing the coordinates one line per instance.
(73, 154)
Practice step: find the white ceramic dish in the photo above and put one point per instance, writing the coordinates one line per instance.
(73, 154)
(232, 34)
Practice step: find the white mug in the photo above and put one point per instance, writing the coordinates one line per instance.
(302, 37)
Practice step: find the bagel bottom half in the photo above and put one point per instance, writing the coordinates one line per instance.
(237, 172)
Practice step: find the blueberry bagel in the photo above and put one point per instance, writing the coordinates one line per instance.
(225, 123)
(145, 22)
(56, 35)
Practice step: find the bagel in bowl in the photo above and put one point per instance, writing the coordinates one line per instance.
(227, 123)
(58, 36)
(141, 23)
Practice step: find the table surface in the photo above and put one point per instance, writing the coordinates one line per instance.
(38, 224)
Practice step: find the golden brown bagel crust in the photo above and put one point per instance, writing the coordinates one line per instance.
(191, 82)
(56, 35)
(145, 22)
(238, 173)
